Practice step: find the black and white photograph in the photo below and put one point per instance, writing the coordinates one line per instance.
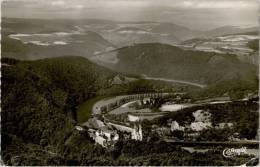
(129, 83)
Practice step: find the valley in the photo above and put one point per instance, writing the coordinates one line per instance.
(91, 91)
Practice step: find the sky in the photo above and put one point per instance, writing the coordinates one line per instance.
(199, 14)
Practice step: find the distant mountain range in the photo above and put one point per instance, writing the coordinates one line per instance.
(227, 30)
(88, 37)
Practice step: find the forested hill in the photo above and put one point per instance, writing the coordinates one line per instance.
(162, 60)
(39, 100)
(76, 76)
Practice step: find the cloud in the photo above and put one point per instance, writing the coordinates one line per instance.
(199, 4)
(215, 4)
(57, 3)
(79, 6)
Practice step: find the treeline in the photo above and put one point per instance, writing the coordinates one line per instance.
(144, 86)
(120, 102)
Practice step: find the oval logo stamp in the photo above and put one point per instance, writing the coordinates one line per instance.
(231, 152)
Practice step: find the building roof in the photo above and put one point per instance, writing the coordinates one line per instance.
(94, 123)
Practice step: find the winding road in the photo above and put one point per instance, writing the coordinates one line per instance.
(175, 81)
(104, 102)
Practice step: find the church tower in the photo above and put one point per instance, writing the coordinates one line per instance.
(137, 133)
